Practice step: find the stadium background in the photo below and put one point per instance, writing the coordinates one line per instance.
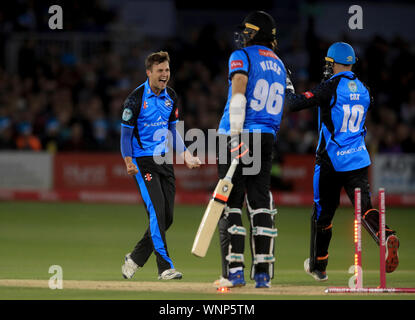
(62, 90)
(61, 93)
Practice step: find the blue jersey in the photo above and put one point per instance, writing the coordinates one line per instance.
(150, 117)
(343, 102)
(264, 92)
(345, 145)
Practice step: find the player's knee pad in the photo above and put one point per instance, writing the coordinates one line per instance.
(262, 237)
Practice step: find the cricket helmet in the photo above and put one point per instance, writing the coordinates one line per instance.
(341, 52)
(257, 26)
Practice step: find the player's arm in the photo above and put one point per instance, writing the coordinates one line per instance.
(178, 143)
(237, 105)
(314, 97)
(126, 149)
(179, 146)
(128, 122)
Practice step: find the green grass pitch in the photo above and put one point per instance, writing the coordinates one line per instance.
(89, 242)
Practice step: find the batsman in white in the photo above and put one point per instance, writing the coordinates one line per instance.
(257, 79)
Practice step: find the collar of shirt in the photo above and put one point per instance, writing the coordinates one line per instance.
(149, 92)
(346, 73)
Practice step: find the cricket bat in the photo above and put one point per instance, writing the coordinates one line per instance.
(213, 212)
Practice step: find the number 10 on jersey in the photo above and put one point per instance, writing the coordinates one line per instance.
(352, 118)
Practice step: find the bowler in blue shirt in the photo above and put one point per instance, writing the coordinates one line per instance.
(149, 117)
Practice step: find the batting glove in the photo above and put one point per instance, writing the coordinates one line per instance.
(237, 147)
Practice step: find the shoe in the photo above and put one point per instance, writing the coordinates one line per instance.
(170, 274)
(222, 282)
(262, 280)
(392, 246)
(129, 267)
(316, 274)
(235, 279)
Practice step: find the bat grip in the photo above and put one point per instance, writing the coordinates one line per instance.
(231, 170)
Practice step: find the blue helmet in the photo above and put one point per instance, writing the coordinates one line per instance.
(341, 52)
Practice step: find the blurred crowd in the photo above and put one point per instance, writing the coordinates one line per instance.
(59, 102)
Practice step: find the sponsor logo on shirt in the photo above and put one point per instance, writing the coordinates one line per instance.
(148, 177)
(155, 124)
(267, 53)
(308, 94)
(145, 105)
(237, 64)
(350, 151)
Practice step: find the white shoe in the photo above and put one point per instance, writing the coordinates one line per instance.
(129, 267)
(316, 274)
(222, 282)
(170, 274)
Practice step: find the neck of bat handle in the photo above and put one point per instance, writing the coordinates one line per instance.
(231, 170)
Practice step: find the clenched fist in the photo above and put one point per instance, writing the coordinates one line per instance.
(190, 161)
(131, 167)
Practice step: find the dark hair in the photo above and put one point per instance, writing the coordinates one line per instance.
(157, 58)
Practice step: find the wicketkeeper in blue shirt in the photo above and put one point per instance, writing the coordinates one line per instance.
(149, 118)
(342, 157)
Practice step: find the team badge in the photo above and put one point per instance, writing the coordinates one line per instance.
(167, 103)
(127, 114)
(349, 59)
(148, 177)
(352, 86)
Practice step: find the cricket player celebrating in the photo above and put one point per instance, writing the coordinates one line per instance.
(150, 113)
(257, 80)
(342, 157)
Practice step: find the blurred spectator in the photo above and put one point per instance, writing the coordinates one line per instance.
(76, 141)
(6, 135)
(25, 139)
(64, 100)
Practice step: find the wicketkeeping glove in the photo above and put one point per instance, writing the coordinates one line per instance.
(288, 83)
(237, 147)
